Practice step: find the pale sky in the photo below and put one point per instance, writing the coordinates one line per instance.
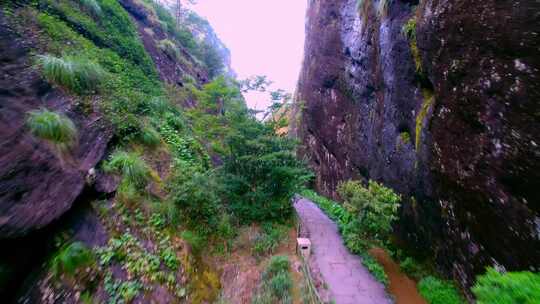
(265, 37)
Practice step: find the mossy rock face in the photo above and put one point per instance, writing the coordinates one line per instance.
(469, 105)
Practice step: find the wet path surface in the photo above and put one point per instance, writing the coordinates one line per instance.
(348, 281)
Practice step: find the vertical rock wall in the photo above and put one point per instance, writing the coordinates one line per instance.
(448, 117)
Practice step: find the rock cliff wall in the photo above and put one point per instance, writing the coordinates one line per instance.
(438, 100)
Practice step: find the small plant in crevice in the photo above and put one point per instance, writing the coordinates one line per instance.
(170, 49)
(75, 73)
(71, 258)
(134, 170)
(409, 29)
(52, 126)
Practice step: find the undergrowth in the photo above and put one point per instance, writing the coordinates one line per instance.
(437, 291)
(276, 284)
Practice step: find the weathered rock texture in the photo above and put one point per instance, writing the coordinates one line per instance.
(452, 127)
(38, 182)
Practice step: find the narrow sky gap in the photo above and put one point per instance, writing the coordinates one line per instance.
(265, 38)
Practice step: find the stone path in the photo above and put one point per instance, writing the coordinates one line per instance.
(348, 281)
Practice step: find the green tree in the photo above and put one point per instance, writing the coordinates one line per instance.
(262, 172)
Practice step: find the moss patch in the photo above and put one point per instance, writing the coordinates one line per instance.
(426, 105)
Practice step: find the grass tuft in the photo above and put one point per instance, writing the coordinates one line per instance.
(51, 126)
(92, 7)
(76, 74)
(134, 170)
(150, 137)
(170, 49)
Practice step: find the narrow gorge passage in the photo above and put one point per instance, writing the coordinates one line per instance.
(348, 281)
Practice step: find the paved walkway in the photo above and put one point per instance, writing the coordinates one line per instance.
(348, 281)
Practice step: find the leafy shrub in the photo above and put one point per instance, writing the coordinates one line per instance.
(436, 291)
(51, 126)
(77, 74)
(135, 172)
(375, 206)
(170, 49)
(276, 285)
(72, 257)
(351, 231)
(507, 288)
(196, 197)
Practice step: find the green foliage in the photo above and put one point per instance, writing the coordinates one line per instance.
(413, 268)
(375, 206)
(51, 126)
(170, 49)
(134, 170)
(92, 7)
(277, 264)
(405, 137)
(195, 240)
(272, 235)
(375, 268)
(351, 231)
(181, 34)
(150, 137)
(121, 292)
(72, 257)
(113, 30)
(409, 29)
(276, 285)
(196, 197)
(506, 288)
(437, 291)
(75, 73)
(262, 174)
(140, 263)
